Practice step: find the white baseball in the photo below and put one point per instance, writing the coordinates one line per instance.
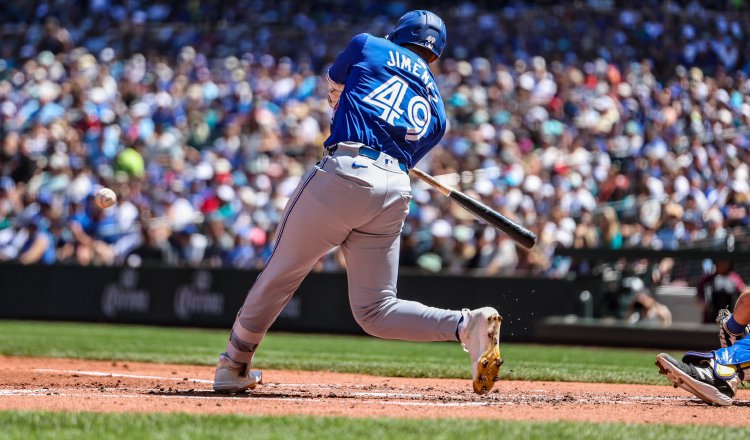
(105, 198)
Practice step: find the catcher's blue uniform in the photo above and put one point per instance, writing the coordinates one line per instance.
(736, 357)
(736, 354)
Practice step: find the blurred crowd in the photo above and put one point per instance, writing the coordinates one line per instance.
(595, 124)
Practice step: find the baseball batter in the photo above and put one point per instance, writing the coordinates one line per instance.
(388, 115)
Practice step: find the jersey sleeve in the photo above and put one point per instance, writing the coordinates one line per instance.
(442, 125)
(340, 68)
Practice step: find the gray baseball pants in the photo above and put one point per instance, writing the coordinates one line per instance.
(359, 204)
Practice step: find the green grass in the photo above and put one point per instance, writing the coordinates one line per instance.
(43, 425)
(323, 352)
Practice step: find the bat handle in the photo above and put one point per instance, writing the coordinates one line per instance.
(421, 175)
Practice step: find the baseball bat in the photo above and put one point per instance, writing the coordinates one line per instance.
(518, 233)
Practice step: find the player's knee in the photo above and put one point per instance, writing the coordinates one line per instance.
(372, 319)
(369, 324)
(373, 329)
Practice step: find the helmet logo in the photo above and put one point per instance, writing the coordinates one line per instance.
(430, 41)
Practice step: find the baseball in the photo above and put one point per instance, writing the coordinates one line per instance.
(105, 198)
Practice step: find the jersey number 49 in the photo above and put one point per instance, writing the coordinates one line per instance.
(389, 95)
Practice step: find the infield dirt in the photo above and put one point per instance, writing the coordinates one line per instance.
(102, 386)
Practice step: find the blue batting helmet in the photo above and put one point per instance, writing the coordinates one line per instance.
(422, 28)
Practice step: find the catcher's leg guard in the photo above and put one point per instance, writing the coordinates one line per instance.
(720, 370)
(737, 355)
(697, 374)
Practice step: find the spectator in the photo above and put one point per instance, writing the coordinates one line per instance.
(38, 245)
(609, 228)
(719, 290)
(204, 119)
(644, 308)
(502, 257)
(153, 251)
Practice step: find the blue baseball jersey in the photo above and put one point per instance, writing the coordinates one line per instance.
(390, 100)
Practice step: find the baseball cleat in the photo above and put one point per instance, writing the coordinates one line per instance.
(698, 380)
(231, 377)
(726, 337)
(480, 336)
